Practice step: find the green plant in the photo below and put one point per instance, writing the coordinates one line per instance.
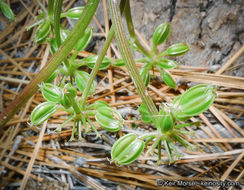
(6, 10)
(63, 96)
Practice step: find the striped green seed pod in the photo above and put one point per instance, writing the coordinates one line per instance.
(109, 119)
(69, 93)
(194, 101)
(53, 46)
(84, 40)
(167, 64)
(51, 92)
(7, 11)
(127, 149)
(91, 61)
(119, 63)
(98, 104)
(64, 34)
(66, 102)
(161, 33)
(70, 90)
(177, 49)
(53, 43)
(42, 112)
(73, 13)
(168, 79)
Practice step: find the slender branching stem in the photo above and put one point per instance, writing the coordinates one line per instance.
(99, 60)
(131, 29)
(95, 69)
(130, 63)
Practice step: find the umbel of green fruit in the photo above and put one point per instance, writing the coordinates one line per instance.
(194, 101)
(127, 149)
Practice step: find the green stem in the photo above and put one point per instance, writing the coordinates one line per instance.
(154, 48)
(154, 145)
(73, 56)
(94, 128)
(162, 54)
(172, 146)
(101, 55)
(79, 130)
(149, 140)
(59, 128)
(72, 138)
(131, 29)
(130, 64)
(57, 12)
(197, 123)
(159, 151)
(75, 106)
(168, 151)
(83, 119)
(50, 8)
(53, 63)
(95, 69)
(56, 24)
(147, 135)
(183, 142)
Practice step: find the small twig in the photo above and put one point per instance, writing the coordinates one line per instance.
(229, 62)
(228, 140)
(228, 171)
(89, 145)
(33, 158)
